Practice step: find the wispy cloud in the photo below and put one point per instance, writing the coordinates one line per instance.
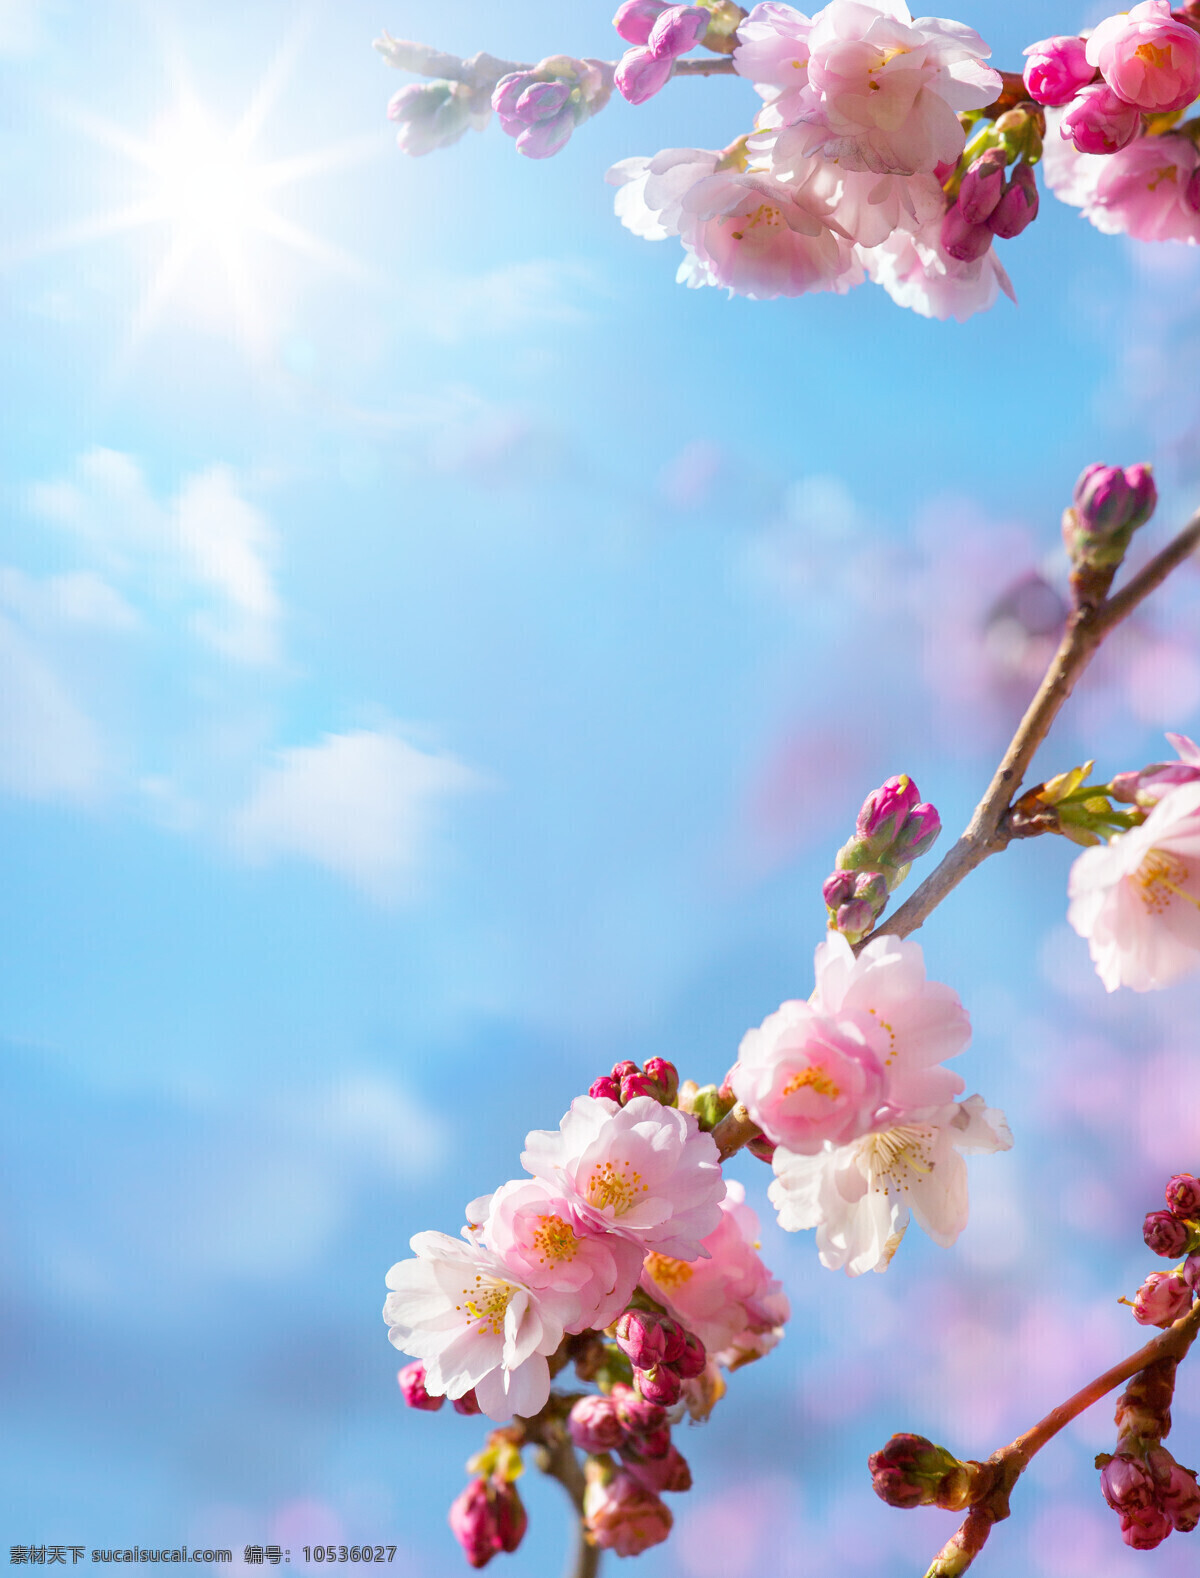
(505, 301)
(362, 804)
(50, 749)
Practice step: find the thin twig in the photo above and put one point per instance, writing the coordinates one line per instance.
(961, 1549)
(557, 1459)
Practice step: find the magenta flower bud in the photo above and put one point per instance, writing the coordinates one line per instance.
(642, 1338)
(909, 1470)
(1018, 208)
(665, 1075)
(855, 919)
(885, 809)
(1109, 500)
(1126, 1483)
(915, 838)
(1183, 1195)
(1058, 68)
(639, 1084)
(640, 75)
(636, 18)
(412, 1384)
(486, 1518)
(467, 1404)
(607, 1087)
(623, 1070)
(1166, 1234)
(639, 1417)
(1191, 1272)
(763, 1148)
(1099, 122)
(652, 1443)
(1161, 1299)
(541, 101)
(838, 889)
(662, 1384)
(692, 1360)
(511, 1518)
(595, 1425)
(678, 29)
(667, 1473)
(983, 185)
(622, 1515)
(1145, 1528)
(1180, 1500)
(963, 241)
(675, 1340)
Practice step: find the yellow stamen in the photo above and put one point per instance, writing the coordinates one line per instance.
(815, 1079)
(488, 1305)
(554, 1240)
(615, 1184)
(668, 1273)
(1159, 878)
(895, 1155)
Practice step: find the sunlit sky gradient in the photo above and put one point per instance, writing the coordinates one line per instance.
(441, 657)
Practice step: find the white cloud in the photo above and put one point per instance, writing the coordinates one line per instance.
(50, 749)
(206, 548)
(361, 804)
(506, 300)
(20, 26)
(81, 598)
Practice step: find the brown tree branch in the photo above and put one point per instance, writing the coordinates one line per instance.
(1010, 1462)
(556, 1457)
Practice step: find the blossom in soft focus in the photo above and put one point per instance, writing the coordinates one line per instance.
(1058, 67)
(1161, 1299)
(411, 1380)
(669, 1472)
(867, 206)
(1147, 57)
(1149, 190)
(541, 107)
(432, 115)
(917, 272)
(886, 91)
(1148, 786)
(772, 53)
(643, 1170)
(805, 1079)
(1097, 120)
(859, 1196)
(752, 235)
(622, 1515)
(645, 68)
(487, 1518)
(651, 191)
(635, 19)
(730, 1301)
(1137, 898)
(595, 1425)
(911, 1023)
(465, 1314)
(548, 1245)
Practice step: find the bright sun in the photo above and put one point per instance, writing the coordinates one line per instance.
(204, 180)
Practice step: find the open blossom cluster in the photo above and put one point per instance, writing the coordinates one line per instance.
(851, 1086)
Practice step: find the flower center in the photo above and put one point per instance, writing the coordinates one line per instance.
(1159, 879)
(815, 1079)
(554, 1240)
(890, 1159)
(891, 1034)
(764, 214)
(1157, 56)
(668, 1273)
(615, 1184)
(486, 1303)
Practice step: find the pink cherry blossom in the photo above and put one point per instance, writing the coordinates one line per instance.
(651, 191)
(859, 1196)
(888, 89)
(1148, 786)
(1058, 67)
(730, 1301)
(462, 1311)
(1099, 121)
(1148, 190)
(643, 1170)
(806, 1079)
(550, 1246)
(623, 1516)
(1137, 898)
(865, 205)
(1147, 57)
(772, 53)
(751, 234)
(912, 1024)
(917, 272)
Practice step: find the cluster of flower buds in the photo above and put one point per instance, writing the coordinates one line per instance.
(659, 34)
(1144, 61)
(911, 1472)
(987, 201)
(487, 1518)
(1108, 506)
(1150, 1492)
(894, 827)
(663, 1354)
(1176, 1231)
(432, 115)
(412, 1388)
(656, 1078)
(541, 107)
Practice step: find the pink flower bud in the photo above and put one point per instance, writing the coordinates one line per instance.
(1126, 1483)
(1145, 1528)
(1161, 1299)
(909, 1471)
(486, 1518)
(692, 1360)
(1166, 1234)
(467, 1404)
(1058, 68)
(1147, 57)
(1100, 122)
(640, 75)
(623, 1070)
(678, 29)
(642, 1338)
(838, 888)
(666, 1075)
(622, 1515)
(595, 1425)
(855, 919)
(667, 1473)
(1109, 500)
(412, 1385)
(1180, 1500)
(917, 836)
(675, 1340)
(607, 1087)
(635, 19)
(963, 241)
(763, 1148)
(885, 809)
(1191, 1272)
(1018, 207)
(983, 185)
(639, 1084)
(639, 1417)
(659, 1385)
(652, 1443)
(1183, 1195)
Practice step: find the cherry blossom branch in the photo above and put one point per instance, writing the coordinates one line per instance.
(556, 1458)
(1004, 1468)
(986, 833)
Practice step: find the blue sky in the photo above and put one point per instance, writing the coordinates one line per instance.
(442, 658)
